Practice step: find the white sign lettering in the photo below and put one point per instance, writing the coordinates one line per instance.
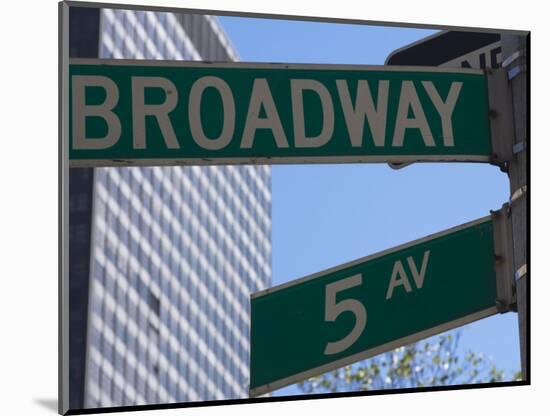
(399, 275)
(364, 110)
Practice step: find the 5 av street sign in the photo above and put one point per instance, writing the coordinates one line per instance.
(150, 112)
(377, 303)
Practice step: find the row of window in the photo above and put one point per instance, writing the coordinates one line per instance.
(257, 231)
(183, 307)
(149, 358)
(186, 225)
(134, 34)
(124, 301)
(111, 249)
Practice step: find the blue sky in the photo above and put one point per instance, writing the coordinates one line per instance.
(325, 215)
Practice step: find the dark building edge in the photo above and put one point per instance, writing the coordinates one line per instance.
(83, 43)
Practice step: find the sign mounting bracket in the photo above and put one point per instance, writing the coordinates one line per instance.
(504, 259)
(500, 117)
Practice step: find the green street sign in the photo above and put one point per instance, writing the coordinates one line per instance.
(360, 309)
(163, 112)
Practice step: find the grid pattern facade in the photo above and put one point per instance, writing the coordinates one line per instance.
(176, 251)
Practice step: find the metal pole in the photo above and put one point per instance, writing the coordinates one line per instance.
(63, 236)
(515, 61)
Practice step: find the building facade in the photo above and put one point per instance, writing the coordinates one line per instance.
(174, 252)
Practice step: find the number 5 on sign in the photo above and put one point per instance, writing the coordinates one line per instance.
(333, 309)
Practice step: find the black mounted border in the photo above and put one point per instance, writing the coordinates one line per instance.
(478, 37)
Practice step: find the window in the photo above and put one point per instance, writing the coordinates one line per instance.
(122, 262)
(153, 302)
(106, 384)
(145, 199)
(119, 362)
(130, 375)
(93, 371)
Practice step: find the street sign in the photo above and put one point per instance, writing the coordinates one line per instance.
(363, 308)
(151, 112)
(450, 49)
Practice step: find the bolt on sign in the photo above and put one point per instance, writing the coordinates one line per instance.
(360, 309)
(151, 112)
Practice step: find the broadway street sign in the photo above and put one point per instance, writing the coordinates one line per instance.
(152, 113)
(380, 302)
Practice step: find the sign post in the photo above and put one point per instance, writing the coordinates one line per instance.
(380, 302)
(516, 61)
(140, 113)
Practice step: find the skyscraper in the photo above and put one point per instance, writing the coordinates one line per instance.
(163, 259)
